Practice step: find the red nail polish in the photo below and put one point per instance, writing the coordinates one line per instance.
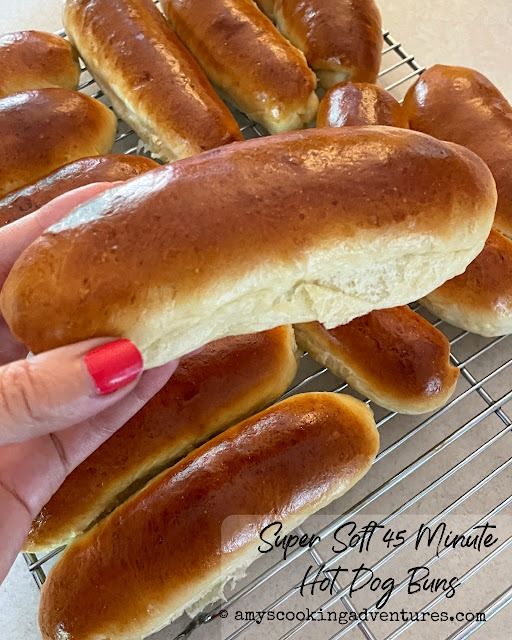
(114, 365)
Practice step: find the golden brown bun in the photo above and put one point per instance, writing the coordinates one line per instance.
(196, 526)
(111, 168)
(357, 104)
(34, 60)
(463, 106)
(267, 6)
(480, 300)
(153, 82)
(392, 356)
(244, 55)
(44, 129)
(356, 219)
(342, 39)
(229, 380)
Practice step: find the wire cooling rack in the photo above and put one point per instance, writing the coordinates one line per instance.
(453, 465)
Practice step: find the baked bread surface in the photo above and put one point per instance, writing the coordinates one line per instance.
(177, 542)
(354, 220)
(44, 129)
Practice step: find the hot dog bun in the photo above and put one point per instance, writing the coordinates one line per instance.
(178, 542)
(227, 381)
(359, 104)
(111, 168)
(244, 55)
(34, 60)
(392, 356)
(479, 300)
(391, 215)
(463, 106)
(44, 129)
(341, 39)
(153, 82)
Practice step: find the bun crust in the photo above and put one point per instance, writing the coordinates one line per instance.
(356, 219)
(177, 543)
(461, 105)
(360, 104)
(247, 58)
(111, 168)
(341, 39)
(392, 356)
(479, 300)
(227, 381)
(152, 81)
(44, 129)
(35, 60)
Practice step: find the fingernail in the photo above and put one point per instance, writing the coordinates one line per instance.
(114, 365)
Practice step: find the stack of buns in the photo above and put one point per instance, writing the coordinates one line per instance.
(331, 230)
(44, 122)
(210, 391)
(196, 526)
(393, 356)
(463, 106)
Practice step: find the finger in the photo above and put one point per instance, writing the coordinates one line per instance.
(32, 471)
(18, 235)
(77, 443)
(10, 348)
(14, 525)
(66, 386)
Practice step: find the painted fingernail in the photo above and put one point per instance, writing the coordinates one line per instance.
(114, 365)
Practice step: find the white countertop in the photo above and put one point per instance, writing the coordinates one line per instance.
(466, 32)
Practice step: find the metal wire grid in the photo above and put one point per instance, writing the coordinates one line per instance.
(484, 364)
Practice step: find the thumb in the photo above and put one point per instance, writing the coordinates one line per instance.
(60, 388)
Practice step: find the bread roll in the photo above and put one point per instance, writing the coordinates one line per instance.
(44, 129)
(360, 104)
(111, 168)
(392, 356)
(34, 60)
(479, 300)
(342, 39)
(196, 526)
(354, 219)
(267, 6)
(463, 106)
(244, 55)
(153, 82)
(227, 381)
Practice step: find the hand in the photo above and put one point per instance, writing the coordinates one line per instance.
(56, 408)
